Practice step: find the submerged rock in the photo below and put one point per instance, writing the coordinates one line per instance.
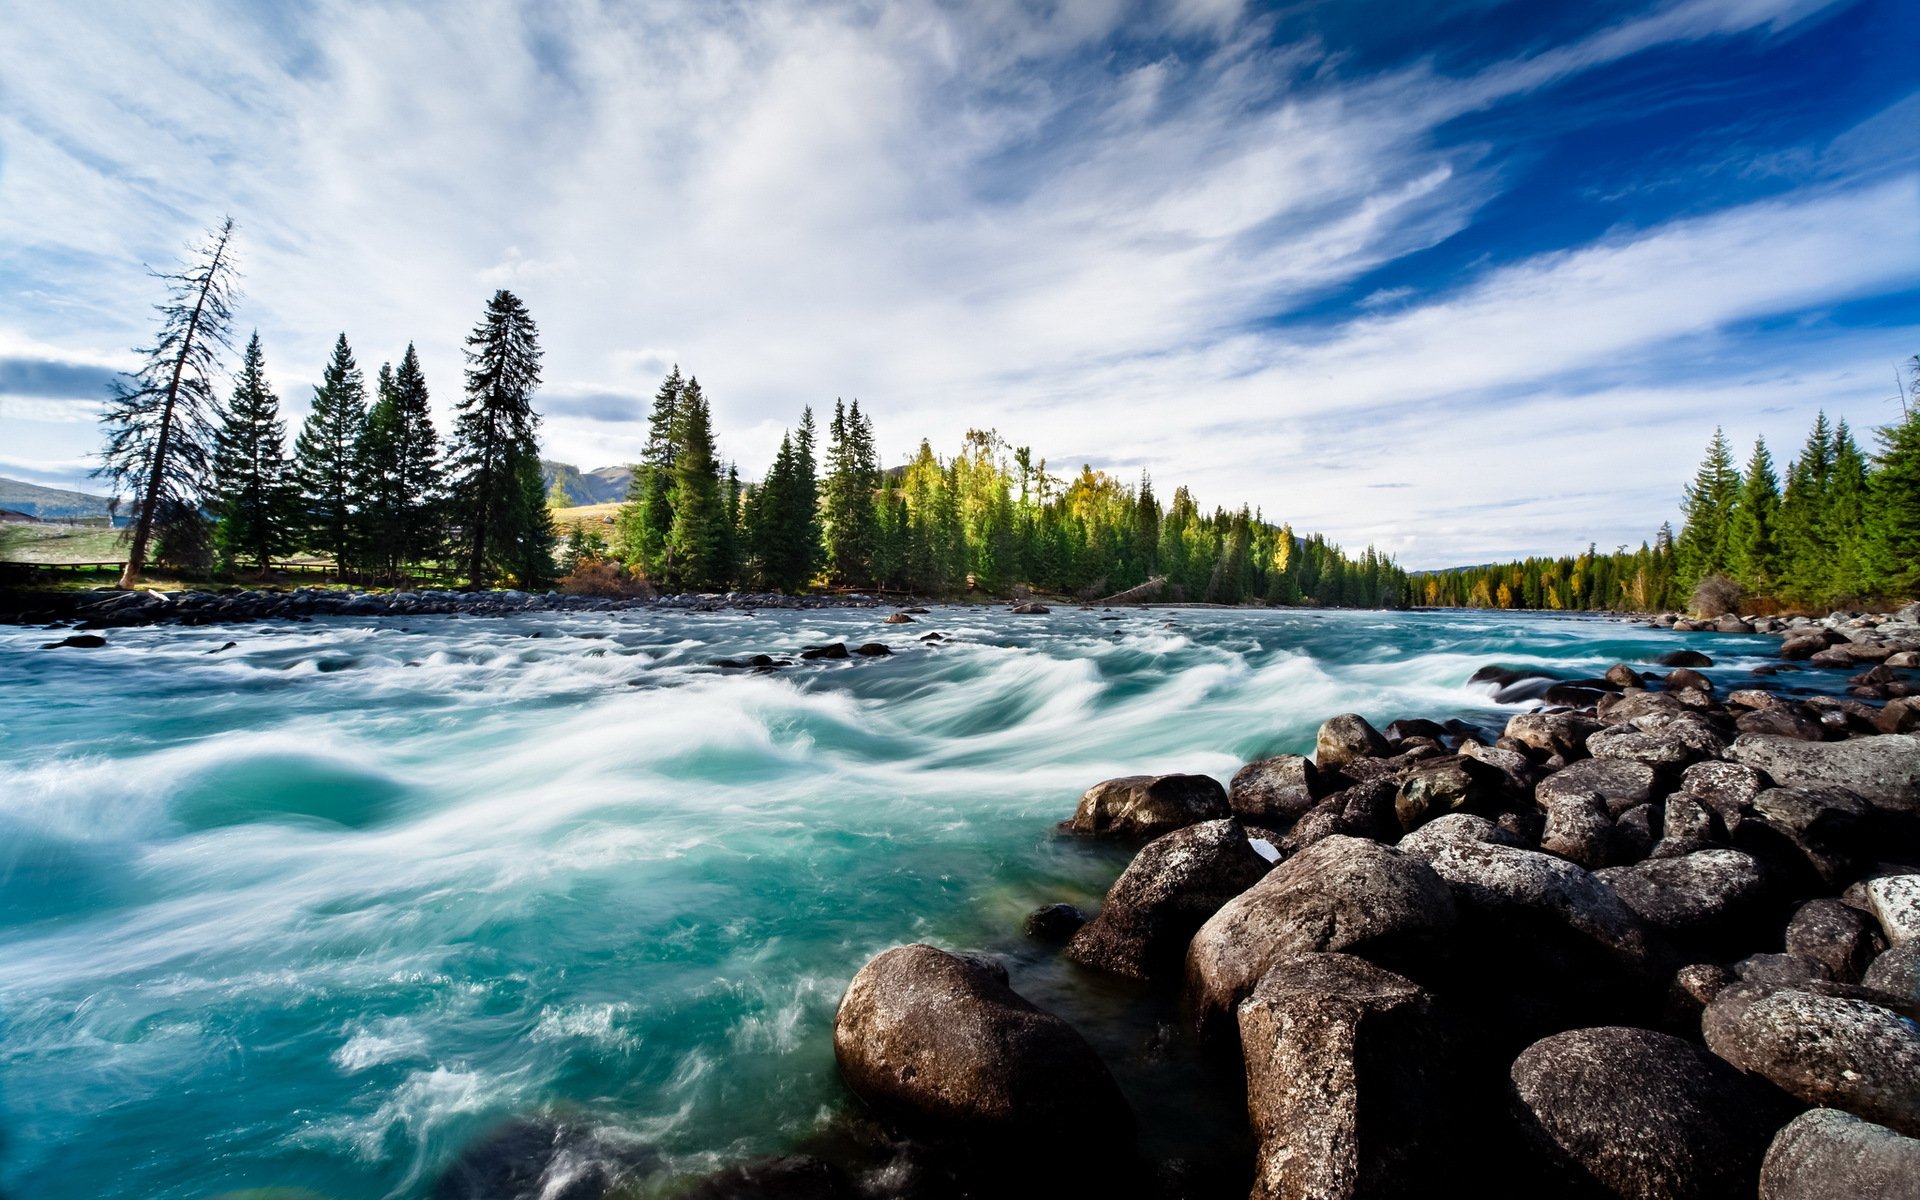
(548, 1158)
(1053, 922)
(1172, 886)
(1146, 806)
(78, 641)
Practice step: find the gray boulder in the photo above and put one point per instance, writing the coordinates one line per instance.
(1339, 894)
(1817, 835)
(1826, 1154)
(1619, 783)
(1704, 895)
(1896, 972)
(1172, 886)
(940, 1041)
(1550, 733)
(1346, 1079)
(1839, 937)
(1345, 738)
(1146, 806)
(1895, 903)
(1274, 792)
(1449, 784)
(1827, 1050)
(1578, 828)
(1643, 1115)
(1883, 769)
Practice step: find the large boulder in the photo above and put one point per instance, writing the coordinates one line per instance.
(1365, 810)
(1895, 903)
(1339, 894)
(1274, 792)
(1620, 784)
(1643, 1115)
(1578, 828)
(1815, 836)
(1826, 1154)
(1709, 894)
(1882, 770)
(1172, 886)
(1346, 1079)
(1839, 937)
(1828, 1050)
(940, 1042)
(1447, 784)
(1146, 806)
(1551, 733)
(1345, 738)
(1896, 972)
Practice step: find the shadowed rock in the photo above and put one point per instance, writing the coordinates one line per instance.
(1172, 886)
(1841, 938)
(545, 1158)
(1053, 922)
(1826, 1050)
(1274, 792)
(1703, 895)
(1146, 806)
(1825, 1153)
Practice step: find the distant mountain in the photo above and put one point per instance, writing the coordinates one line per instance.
(602, 485)
(49, 504)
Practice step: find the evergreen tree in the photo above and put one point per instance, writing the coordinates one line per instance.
(399, 482)
(324, 457)
(1846, 520)
(1708, 506)
(1893, 528)
(772, 521)
(528, 554)
(1804, 554)
(727, 560)
(647, 516)
(494, 450)
(694, 542)
(806, 511)
(159, 421)
(254, 500)
(1754, 556)
(853, 473)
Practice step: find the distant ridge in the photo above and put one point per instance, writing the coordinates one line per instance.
(602, 485)
(49, 504)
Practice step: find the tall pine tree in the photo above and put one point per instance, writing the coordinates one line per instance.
(646, 518)
(254, 500)
(1753, 553)
(1846, 520)
(324, 456)
(400, 485)
(1708, 505)
(853, 473)
(494, 451)
(1893, 524)
(1804, 555)
(694, 542)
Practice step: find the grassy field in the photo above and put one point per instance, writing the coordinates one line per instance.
(593, 516)
(61, 544)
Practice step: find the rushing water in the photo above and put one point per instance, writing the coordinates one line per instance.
(317, 910)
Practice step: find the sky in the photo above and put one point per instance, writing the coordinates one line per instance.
(1462, 280)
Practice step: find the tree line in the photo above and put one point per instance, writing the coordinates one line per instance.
(1839, 527)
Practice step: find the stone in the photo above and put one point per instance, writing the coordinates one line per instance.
(1826, 1154)
(1839, 937)
(1694, 987)
(1346, 1079)
(1645, 1115)
(1802, 647)
(1578, 829)
(1704, 895)
(1895, 903)
(1633, 745)
(873, 650)
(1053, 923)
(1345, 738)
(1686, 679)
(1408, 727)
(1449, 784)
(787, 1177)
(1621, 675)
(1172, 886)
(1634, 835)
(1683, 658)
(1896, 972)
(1687, 818)
(1833, 1051)
(1546, 733)
(898, 618)
(1339, 894)
(1813, 834)
(1780, 970)
(1782, 720)
(1146, 806)
(1899, 716)
(1620, 784)
(542, 1156)
(1755, 698)
(1883, 769)
(1274, 792)
(940, 1041)
(1364, 810)
(835, 650)
(1030, 609)
(78, 641)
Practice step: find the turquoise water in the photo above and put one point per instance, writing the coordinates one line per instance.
(318, 910)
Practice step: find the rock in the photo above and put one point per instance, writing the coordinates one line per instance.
(222, 649)
(1826, 1154)
(1053, 923)
(78, 641)
(1643, 1114)
(1621, 675)
(1706, 895)
(1547, 733)
(1449, 784)
(1694, 987)
(1634, 835)
(1899, 716)
(1415, 727)
(1895, 902)
(1030, 609)
(1345, 738)
(1365, 810)
(898, 618)
(1686, 679)
(1840, 938)
(1683, 658)
(788, 1177)
(938, 1040)
(1172, 886)
(1812, 834)
(1346, 1079)
(1896, 972)
(1883, 770)
(1620, 784)
(836, 650)
(1802, 647)
(1626, 743)
(1825, 1050)
(541, 1156)
(1752, 698)
(872, 650)
(1780, 970)
(1339, 894)
(1146, 806)
(1784, 720)
(1686, 817)
(1275, 791)
(1578, 829)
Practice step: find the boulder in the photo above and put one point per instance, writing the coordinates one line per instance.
(1780, 970)
(1686, 818)
(1883, 770)
(1899, 716)
(1365, 810)
(1274, 792)
(1895, 902)
(1146, 806)
(1626, 743)
(1834, 1051)
(1448, 784)
(940, 1041)
(1339, 894)
(1621, 675)
(1410, 727)
(1782, 720)
(898, 618)
(1172, 886)
(1549, 733)
(1578, 829)
(1635, 834)
(1346, 1079)
(1053, 923)
(1839, 937)
(873, 650)
(1896, 972)
(1644, 1115)
(1814, 835)
(1686, 679)
(1683, 658)
(542, 1156)
(1826, 1154)
(1619, 784)
(1706, 895)
(1030, 609)
(834, 650)
(1801, 647)
(78, 641)
(1345, 738)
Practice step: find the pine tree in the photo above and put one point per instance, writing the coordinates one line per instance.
(1708, 506)
(647, 516)
(494, 449)
(692, 558)
(399, 482)
(1894, 522)
(254, 499)
(770, 523)
(324, 456)
(1804, 554)
(853, 472)
(1846, 520)
(159, 421)
(806, 534)
(730, 551)
(1754, 556)
(528, 554)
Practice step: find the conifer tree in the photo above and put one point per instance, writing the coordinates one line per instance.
(1846, 519)
(647, 516)
(494, 452)
(1754, 557)
(772, 521)
(1893, 528)
(853, 472)
(1708, 505)
(1804, 555)
(399, 482)
(254, 499)
(159, 421)
(692, 557)
(324, 456)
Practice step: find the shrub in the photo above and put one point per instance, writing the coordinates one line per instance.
(605, 578)
(1716, 595)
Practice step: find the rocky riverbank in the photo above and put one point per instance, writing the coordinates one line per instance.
(1649, 941)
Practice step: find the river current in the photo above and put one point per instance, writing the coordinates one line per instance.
(318, 910)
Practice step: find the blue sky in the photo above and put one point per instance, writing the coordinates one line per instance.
(1464, 281)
